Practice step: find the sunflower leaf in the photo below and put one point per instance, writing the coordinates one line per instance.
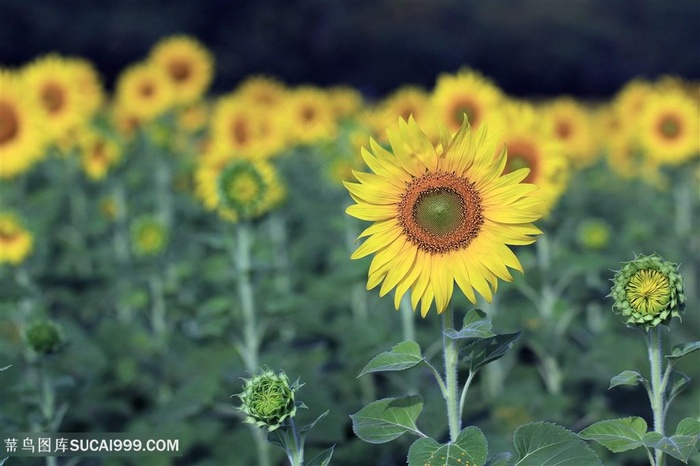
(628, 378)
(543, 443)
(617, 435)
(476, 325)
(402, 356)
(469, 448)
(323, 458)
(681, 350)
(486, 350)
(678, 382)
(501, 459)
(385, 420)
(682, 444)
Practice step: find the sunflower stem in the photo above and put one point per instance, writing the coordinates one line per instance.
(451, 356)
(251, 343)
(296, 456)
(658, 386)
(278, 237)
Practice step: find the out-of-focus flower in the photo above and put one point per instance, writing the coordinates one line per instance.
(16, 242)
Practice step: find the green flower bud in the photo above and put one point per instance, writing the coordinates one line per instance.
(44, 337)
(149, 236)
(593, 234)
(268, 400)
(648, 291)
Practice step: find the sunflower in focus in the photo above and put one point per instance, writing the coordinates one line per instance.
(530, 146)
(188, 65)
(571, 125)
(669, 129)
(309, 115)
(98, 154)
(16, 242)
(22, 140)
(466, 93)
(54, 82)
(144, 92)
(441, 214)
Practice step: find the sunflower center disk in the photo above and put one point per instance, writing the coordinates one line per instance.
(669, 127)
(648, 292)
(52, 96)
(9, 126)
(440, 212)
(179, 70)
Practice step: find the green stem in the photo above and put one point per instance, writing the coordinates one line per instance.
(451, 356)
(280, 259)
(463, 398)
(408, 323)
(245, 293)
(48, 404)
(296, 457)
(158, 309)
(658, 386)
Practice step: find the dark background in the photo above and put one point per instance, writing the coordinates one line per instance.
(588, 48)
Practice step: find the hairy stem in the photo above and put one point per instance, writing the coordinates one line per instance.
(451, 356)
(658, 386)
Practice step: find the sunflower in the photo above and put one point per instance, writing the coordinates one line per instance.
(149, 236)
(345, 101)
(630, 100)
(441, 214)
(263, 91)
(90, 84)
(54, 82)
(98, 154)
(466, 93)
(571, 125)
(144, 91)
(236, 187)
(188, 65)
(404, 102)
(670, 127)
(309, 115)
(249, 131)
(530, 146)
(16, 242)
(22, 140)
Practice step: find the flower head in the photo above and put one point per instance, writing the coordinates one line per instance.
(268, 400)
(44, 337)
(441, 215)
(648, 291)
(149, 236)
(16, 242)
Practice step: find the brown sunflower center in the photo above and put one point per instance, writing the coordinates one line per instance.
(147, 89)
(467, 107)
(8, 233)
(53, 97)
(99, 153)
(179, 70)
(669, 127)
(563, 129)
(522, 154)
(239, 131)
(9, 123)
(308, 114)
(440, 212)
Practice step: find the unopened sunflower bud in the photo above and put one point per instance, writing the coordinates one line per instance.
(648, 291)
(268, 400)
(44, 337)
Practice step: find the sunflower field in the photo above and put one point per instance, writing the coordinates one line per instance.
(224, 269)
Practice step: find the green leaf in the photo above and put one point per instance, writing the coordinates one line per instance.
(678, 381)
(322, 459)
(682, 444)
(4, 369)
(476, 325)
(384, 420)
(307, 428)
(545, 444)
(485, 350)
(501, 459)
(402, 356)
(681, 350)
(627, 378)
(470, 448)
(282, 437)
(617, 434)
